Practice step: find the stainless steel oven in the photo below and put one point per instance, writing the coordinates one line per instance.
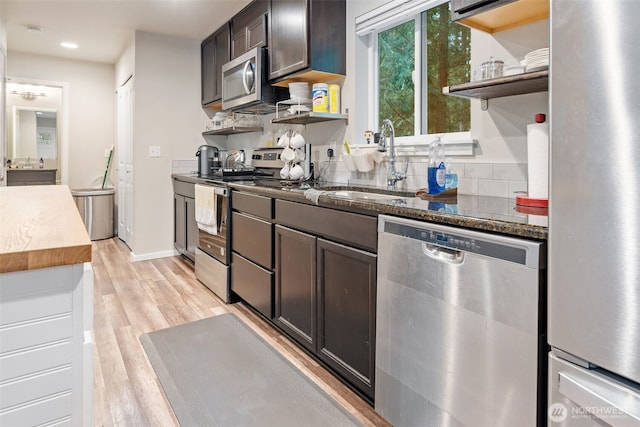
(212, 255)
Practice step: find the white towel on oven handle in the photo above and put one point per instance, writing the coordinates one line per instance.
(206, 214)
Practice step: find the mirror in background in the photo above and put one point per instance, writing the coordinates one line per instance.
(34, 136)
(32, 126)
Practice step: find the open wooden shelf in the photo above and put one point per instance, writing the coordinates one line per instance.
(231, 131)
(519, 84)
(310, 117)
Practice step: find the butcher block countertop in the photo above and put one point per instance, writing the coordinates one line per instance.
(40, 227)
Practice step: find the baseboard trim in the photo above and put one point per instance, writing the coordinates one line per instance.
(153, 255)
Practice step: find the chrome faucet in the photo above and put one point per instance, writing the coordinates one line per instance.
(393, 176)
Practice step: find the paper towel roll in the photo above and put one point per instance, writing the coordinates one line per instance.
(538, 160)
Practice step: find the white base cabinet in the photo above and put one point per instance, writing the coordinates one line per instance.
(46, 346)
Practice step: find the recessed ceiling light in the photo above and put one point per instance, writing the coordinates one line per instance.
(33, 28)
(69, 45)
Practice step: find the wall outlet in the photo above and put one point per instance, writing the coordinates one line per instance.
(154, 151)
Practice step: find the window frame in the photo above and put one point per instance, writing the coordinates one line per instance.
(392, 18)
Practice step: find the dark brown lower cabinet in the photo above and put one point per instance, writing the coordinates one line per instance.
(325, 300)
(346, 324)
(185, 228)
(296, 285)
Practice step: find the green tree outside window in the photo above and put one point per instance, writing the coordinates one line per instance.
(446, 49)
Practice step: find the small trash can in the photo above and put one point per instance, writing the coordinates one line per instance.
(96, 211)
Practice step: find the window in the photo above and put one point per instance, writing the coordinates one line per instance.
(414, 58)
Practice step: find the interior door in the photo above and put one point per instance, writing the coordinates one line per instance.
(3, 133)
(125, 162)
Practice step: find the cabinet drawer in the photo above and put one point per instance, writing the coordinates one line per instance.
(344, 227)
(253, 284)
(259, 206)
(183, 188)
(252, 238)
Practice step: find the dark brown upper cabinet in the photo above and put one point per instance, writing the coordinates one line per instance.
(214, 53)
(249, 28)
(307, 40)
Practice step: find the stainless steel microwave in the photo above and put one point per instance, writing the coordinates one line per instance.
(245, 84)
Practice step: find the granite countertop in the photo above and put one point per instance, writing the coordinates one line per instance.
(41, 227)
(493, 214)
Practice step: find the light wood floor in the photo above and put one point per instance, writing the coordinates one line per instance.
(131, 299)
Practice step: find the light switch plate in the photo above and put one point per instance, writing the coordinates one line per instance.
(154, 151)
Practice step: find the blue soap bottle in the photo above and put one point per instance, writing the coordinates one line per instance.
(436, 172)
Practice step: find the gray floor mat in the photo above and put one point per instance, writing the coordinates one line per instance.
(218, 372)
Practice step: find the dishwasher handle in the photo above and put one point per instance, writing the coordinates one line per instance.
(524, 252)
(438, 253)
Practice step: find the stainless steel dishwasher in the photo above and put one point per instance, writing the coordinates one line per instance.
(461, 326)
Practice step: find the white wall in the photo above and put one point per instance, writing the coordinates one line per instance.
(3, 29)
(167, 113)
(91, 120)
(125, 64)
(501, 131)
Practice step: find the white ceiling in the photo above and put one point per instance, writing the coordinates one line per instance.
(103, 28)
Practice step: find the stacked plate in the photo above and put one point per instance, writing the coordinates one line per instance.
(537, 60)
(511, 70)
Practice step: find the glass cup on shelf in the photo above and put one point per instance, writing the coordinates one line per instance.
(491, 69)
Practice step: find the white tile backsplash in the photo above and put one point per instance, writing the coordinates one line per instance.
(486, 179)
(493, 188)
(467, 185)
(510, 171)
(184, 166)
(478, 170)
(517, 187)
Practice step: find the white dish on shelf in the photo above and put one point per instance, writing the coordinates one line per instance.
(537, 68)
(298, 109)
(537, 60)
(299, 90)
(511, 70)
(297, 101)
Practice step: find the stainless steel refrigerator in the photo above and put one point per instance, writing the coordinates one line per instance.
(594, 214)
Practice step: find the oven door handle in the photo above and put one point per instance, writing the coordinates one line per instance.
(221, 209)
(221, 191)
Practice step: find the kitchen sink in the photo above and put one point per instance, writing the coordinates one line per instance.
(363, 195)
